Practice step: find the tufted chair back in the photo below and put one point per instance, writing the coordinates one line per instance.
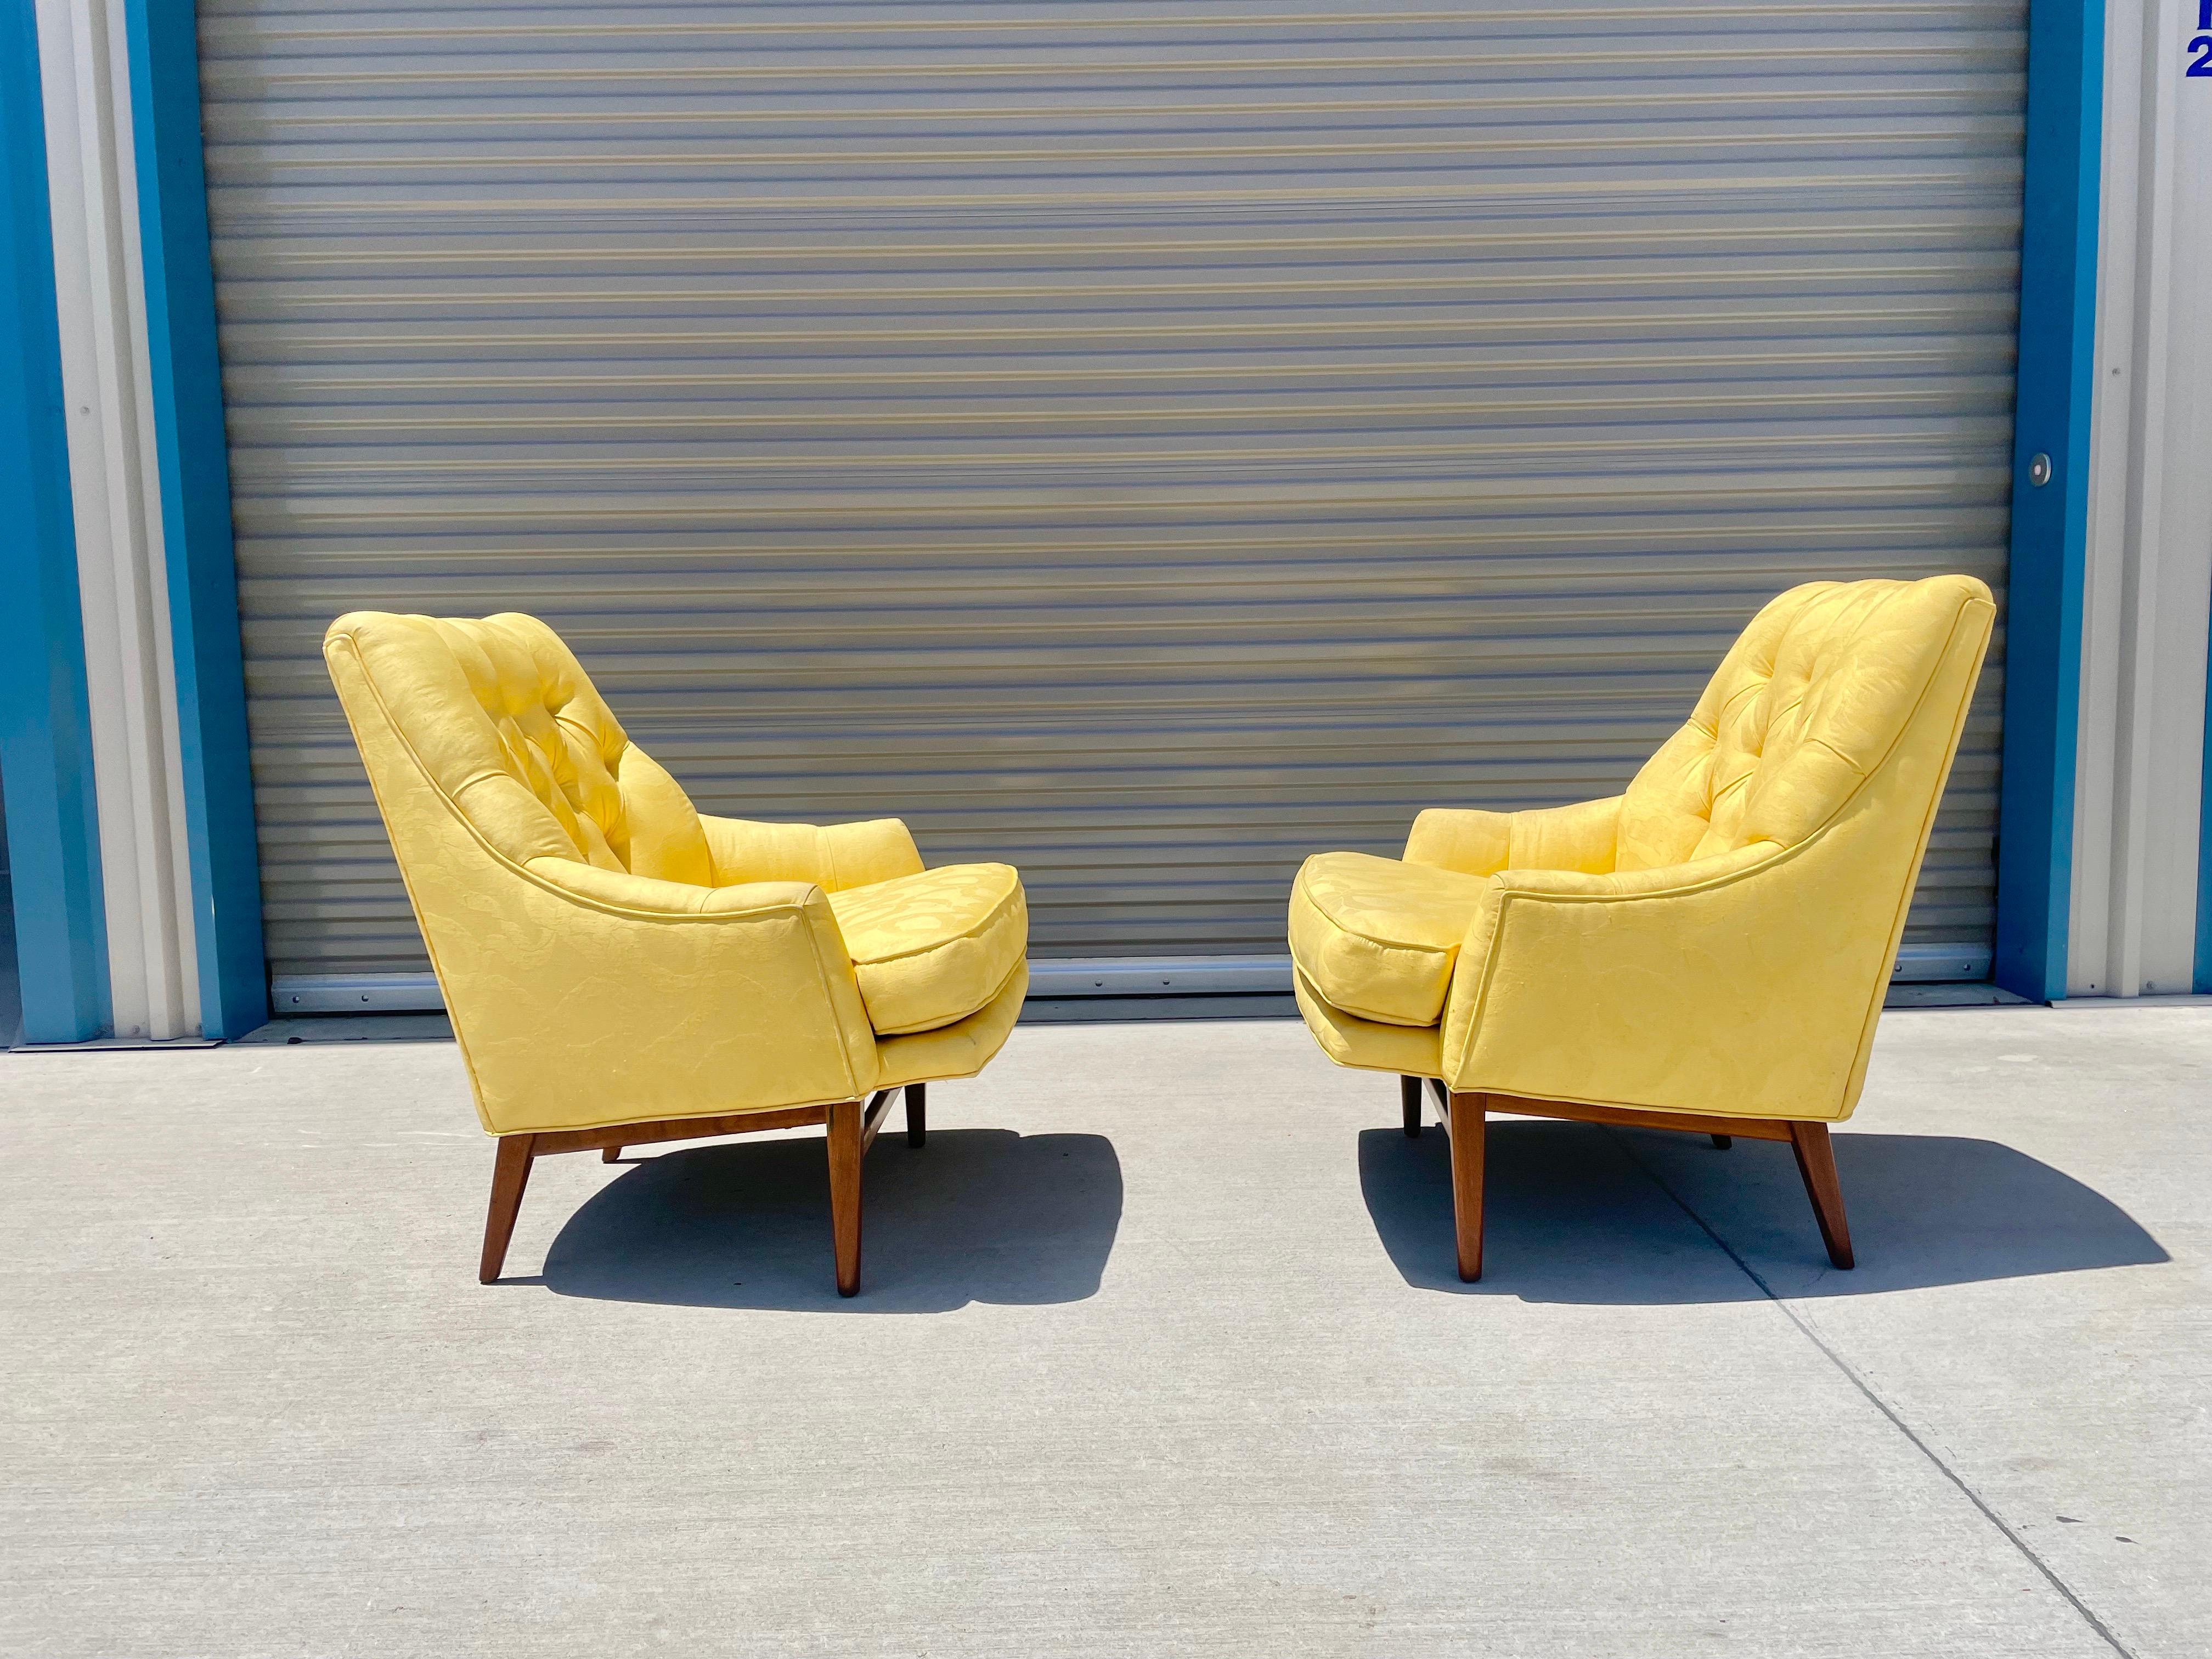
(1806, 704)
(510, 730)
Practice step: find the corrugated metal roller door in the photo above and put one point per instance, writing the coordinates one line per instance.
(1145, 443)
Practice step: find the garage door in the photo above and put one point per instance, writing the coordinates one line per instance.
(1145, 443)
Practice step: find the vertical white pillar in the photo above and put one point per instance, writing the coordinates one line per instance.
(130, 668)
(2150, 577)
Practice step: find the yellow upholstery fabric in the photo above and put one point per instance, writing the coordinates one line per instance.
(1411, 1051)
(546, 770)
(1810, 701)
(1726, 951)
(1479, 844)
(1378, 938)
(607, 955)
(956, 1050)
(834, 857)
(935, 947)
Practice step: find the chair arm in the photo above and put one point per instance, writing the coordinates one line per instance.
(646, 895)
(1744, 984)
(834, 857)
(583, 997)
(1480, 843)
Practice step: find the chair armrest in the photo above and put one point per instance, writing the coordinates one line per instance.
(646, 895)
(583, 997)
(1744, 984)
(833, 857)
(1479, 843)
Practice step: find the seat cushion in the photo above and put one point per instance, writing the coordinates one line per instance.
(1368, 1044)
(960, 1050)
(1378, 938)
(933, 948)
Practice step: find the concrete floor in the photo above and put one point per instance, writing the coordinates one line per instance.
(1159, 1354)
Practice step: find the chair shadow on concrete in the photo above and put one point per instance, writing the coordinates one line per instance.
(1578, 1213)
(976, 1215)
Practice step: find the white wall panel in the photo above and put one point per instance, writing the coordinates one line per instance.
(130, 669)
(2150, 578)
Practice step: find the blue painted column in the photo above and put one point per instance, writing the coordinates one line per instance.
(196, 531)
(46, 724)
(2049, 493)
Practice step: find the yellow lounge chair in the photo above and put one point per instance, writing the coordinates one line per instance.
(1708, 951)
(622, 969)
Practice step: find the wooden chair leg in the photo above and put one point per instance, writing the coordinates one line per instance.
(917, 1115)
(1409, 1103)
(611, 1155)
(510, 1174)
(845, 1192)
(1467, 1131)
(1816, 1162)
(1724, 1141)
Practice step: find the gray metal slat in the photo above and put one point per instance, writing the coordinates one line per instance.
(1147, 441)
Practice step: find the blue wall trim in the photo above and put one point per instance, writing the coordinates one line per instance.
(2202, 977)
(195, 530)
(46, 722)
(2050, 521)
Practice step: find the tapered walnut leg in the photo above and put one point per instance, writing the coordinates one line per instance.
(1724, 1141)
(845, 1193)
(1409, 1103)
(1816, 1162)
(1467, 1131)
(611, 1155)
(917, 1115)
(510, 1174)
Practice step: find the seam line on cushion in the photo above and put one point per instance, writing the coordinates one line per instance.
(1450, 965)
(1020, 963)
(1399, 1020)
(995, 915)
(1300, 977)
(1822, 743)
(1377, 938)
(934, 1076)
